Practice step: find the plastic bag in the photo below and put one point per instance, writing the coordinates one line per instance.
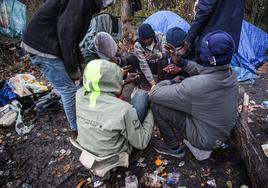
(26, 84)
(6, 93)
(12, 18)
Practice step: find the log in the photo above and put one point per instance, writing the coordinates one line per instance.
(250, 149)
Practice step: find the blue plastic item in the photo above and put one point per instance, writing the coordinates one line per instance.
(252, 47)
(6, 93)
(243, 74)
(163, 20)
(12, 18)
(264, 104)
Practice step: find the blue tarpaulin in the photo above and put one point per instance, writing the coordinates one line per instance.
(252, 48)
(12, 18)
(163, 20)
(6, 93)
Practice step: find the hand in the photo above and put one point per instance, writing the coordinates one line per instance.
(151, 90)
(178, 79)
(126, 69)
(171, 50)
(150, 56)
(133, 78)
(115, 60)
(153, 83)
(186, 49)
(172, 69)
(75, 75)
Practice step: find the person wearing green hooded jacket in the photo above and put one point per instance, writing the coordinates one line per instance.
(107, 125)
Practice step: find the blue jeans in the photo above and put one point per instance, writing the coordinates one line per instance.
(140, 102)
(54, 70)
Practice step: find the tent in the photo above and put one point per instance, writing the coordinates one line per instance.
(163, 20)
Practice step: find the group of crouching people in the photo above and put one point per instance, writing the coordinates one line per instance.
(192, 104)
(192, 96)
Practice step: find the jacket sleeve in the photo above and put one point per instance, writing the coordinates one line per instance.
(138, 135)
(143, 63)
(205, 9)
(173, 96)
(69, 27)
(191, 67)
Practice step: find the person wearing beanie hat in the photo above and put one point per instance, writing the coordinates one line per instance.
(204, 105)
(150, 52)
(176, 37)
(146, 31)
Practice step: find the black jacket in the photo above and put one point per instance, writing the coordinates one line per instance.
(226, 15)
(58, 27)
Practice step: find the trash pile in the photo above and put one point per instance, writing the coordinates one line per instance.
(20, 93)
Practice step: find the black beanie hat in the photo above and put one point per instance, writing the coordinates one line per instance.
(146, 31)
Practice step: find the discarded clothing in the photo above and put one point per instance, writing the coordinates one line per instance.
(6, 93)
(47, 100)
(7, 115)
(101, 22)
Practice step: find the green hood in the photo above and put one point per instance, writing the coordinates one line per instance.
(101, 76)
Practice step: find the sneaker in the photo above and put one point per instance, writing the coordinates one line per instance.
(162, 148)
(73, 134)
(199, 154)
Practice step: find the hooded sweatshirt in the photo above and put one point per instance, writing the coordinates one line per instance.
(108, 125)
(209, 99)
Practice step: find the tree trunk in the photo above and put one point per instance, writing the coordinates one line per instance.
(127, 18)
(250, 150)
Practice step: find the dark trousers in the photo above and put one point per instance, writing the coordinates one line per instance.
(171, 124)
(157, 69)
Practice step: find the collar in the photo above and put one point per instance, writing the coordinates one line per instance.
(211, 69)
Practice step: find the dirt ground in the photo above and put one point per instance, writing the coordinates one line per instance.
(45, 157)
(38, 160)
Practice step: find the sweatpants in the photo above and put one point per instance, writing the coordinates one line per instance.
(171, 124)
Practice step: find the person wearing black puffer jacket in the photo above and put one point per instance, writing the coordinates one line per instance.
(52, 40)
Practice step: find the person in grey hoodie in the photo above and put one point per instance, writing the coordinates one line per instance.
(202, 106)
(107, 125)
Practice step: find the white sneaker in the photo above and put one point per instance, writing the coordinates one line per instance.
(200, 155)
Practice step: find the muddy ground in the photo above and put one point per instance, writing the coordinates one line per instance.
(45, 157)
